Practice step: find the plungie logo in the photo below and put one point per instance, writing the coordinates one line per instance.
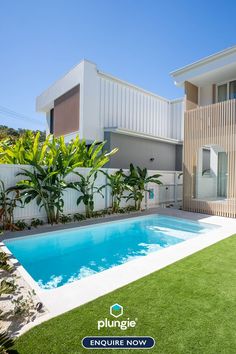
(116, 311)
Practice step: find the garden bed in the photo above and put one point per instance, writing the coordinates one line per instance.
(19, 307)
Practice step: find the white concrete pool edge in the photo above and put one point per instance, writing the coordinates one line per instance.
(69, 296)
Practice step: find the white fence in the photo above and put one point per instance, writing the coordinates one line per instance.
(169, 192)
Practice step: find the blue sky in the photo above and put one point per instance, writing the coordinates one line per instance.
(139, 41)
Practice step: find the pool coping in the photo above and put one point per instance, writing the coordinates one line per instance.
(87, 289)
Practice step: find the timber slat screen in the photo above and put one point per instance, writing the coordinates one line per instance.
(210, 125)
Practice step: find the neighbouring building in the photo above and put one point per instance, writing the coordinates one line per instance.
(209, 163)
(147, 128)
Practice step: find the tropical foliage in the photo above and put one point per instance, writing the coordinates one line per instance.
(28, 147)
(51, 162)
(21, 306)
(87, 190)
(136, 182)
(7, 285)
(116, 182)
(9, 199)
(45, 187)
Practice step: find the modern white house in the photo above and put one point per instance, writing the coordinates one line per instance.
(147, 128)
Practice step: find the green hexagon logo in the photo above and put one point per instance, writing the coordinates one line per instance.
(116, 310)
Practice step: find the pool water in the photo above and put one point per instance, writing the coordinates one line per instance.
(56, 258)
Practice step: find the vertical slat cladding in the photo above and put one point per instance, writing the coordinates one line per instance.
(234, 155)
(230, 162)
(210, 125)
(101, 123)
(127, 98)
(147, 118)
(138, 111)
(144, 113)
(114, 105)
(156, 121)
(128, 107)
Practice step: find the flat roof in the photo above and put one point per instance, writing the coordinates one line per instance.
(204, 60)
(212, 69)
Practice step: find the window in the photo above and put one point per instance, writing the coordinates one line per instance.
(206, 162)
(51, 128)
(232, 90)
(226, 91)
(222, 93)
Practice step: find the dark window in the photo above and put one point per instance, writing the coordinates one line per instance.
(51, 129)
(232, 90)
(222, 93)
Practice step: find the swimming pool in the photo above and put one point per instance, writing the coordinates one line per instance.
(61, 257)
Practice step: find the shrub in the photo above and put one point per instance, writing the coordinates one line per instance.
(65, 218)
(24, 306)
(36, 222)
(21, 225)
(79, 217)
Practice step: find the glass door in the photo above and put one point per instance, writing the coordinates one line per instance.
(222, 175)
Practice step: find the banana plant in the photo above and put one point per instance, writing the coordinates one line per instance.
(116, 182)
(136, 183)
(94, 156)
(51, 162)
(42, 184)
(9, 200)
(30, 149)
(87, 190)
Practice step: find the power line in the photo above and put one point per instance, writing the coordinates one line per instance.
(36, 123)
(17, 116)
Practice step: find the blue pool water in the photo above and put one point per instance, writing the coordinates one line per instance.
(56, 258)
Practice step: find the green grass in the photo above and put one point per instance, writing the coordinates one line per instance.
(188, 307)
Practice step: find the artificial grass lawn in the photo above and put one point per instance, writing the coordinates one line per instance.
(188, 307)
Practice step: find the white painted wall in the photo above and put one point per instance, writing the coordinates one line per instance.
(47, 123)
(177, 119)
(90, 121)
(205, 95)
(44, 102)
(171, 191)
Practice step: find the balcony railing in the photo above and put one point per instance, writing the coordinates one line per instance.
(217, 118)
